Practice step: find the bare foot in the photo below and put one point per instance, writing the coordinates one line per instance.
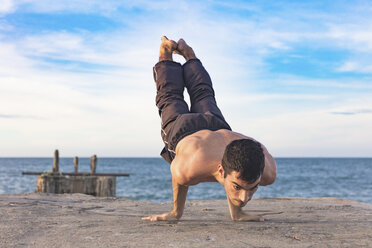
(166, 49)
(185, 50)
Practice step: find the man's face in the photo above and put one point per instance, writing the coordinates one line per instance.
(239, 191)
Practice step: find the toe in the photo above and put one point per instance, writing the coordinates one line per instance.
(181, 43)
(174, 45)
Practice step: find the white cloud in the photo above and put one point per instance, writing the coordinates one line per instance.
(355, 66)
(356, 36)
(348, 67)
(105, 8)
(6, 6)
(353, 112)
(315, 83)
(52, 43)
(40, 6)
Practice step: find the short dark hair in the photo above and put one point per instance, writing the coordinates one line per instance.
(244, 156)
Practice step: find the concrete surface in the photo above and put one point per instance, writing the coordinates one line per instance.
(77, 220)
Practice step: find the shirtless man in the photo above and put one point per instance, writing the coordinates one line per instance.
(199, 144)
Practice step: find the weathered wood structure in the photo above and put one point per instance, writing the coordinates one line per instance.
(56, 161)
(92, 183)
(76, 164)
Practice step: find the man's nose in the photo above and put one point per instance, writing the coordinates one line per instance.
(245, 196)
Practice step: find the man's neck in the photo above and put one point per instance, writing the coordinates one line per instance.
(218, 178)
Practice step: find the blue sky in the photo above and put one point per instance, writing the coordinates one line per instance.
(77, 75)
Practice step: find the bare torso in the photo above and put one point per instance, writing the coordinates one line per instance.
(199, 154)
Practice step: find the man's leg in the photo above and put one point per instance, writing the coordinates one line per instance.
(168, 76)
(198, 83)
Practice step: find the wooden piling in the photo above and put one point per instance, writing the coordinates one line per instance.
(56, 162)
(93, 164)
(76, 164)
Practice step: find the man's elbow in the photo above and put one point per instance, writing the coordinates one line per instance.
(269, 178)
(183, 180)
(180, 176)
(272, 178)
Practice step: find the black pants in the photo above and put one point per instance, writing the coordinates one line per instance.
(177, 121)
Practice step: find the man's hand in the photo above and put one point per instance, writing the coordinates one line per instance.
(237, 214)
(247, 217)
(161, 217)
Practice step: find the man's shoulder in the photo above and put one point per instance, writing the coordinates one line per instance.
(195, 141)
(217, 134)
(207, 141)
(221, 136)
(202, 137)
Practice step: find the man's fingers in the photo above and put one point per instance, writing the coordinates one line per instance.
(159, 217)
(251, 218)
(256, 218)
(153, 218)
(150, 218)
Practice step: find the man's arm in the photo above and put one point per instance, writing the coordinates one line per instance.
(269, 173)
(179, 199)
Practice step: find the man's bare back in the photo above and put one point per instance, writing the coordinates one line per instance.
(197, 156)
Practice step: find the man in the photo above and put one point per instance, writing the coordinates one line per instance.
(199, 144)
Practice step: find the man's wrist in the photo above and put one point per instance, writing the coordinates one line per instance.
(176, 214)
(235, 212)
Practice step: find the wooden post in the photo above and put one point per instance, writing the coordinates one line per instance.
(76, 164)
(56, 161)
(93, 164)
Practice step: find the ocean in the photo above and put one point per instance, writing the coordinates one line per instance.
(150, 178)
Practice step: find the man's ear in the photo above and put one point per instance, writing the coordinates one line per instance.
(221, 171)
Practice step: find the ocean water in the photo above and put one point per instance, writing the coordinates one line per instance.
(150, 178)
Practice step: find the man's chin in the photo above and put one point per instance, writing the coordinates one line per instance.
(239, 203)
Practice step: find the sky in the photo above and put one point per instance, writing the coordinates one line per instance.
(76, 75)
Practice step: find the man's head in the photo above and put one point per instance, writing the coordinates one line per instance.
(246, 157)
(242, 166)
